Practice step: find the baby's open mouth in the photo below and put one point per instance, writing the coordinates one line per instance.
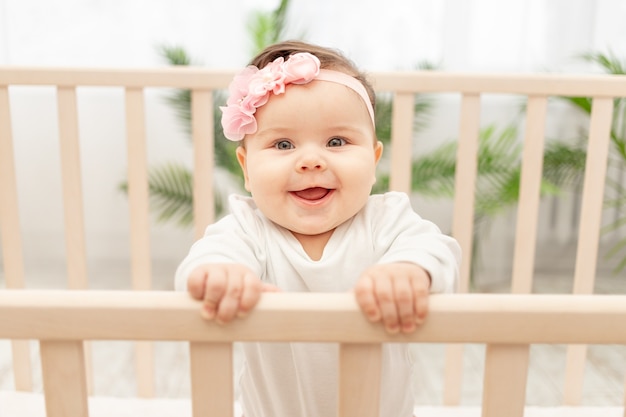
(312, 194)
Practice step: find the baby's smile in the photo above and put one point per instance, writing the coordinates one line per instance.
(312, 194)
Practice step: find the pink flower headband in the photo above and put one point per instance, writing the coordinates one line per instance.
(251, 88)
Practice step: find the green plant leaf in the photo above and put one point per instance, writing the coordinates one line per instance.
(564, 164)
(266, 28)
(171, 193)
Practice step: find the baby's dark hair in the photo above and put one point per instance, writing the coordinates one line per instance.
(329, 59)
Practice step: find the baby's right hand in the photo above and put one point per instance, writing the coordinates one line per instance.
(227, 290)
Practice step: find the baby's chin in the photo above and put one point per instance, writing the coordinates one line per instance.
(310, 232)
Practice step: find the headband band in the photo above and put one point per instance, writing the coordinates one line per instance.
(251, 88)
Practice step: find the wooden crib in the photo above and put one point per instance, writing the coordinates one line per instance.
(62, 320)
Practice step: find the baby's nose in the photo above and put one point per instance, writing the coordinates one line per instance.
(311, 162)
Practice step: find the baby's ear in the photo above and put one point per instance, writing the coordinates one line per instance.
(378, 151)
(241, 158)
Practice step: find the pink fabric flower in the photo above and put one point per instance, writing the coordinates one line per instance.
(237, 123)
(301, 68)
(251, 89)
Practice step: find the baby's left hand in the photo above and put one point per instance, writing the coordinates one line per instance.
(396, 294)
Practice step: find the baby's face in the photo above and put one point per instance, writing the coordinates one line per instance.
(311, 164)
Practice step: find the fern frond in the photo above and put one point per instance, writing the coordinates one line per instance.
(171, 193)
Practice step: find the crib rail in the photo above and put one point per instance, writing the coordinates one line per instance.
(203, 83)
(310, 317)
(62, 320)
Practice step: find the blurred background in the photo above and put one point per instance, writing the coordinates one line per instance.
(566, 36)
(461, 35)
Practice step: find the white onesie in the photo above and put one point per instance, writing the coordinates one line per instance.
(300, 379)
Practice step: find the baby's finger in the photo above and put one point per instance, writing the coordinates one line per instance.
(251, 291)
(270, 288)
(215, 287)
(404, 304)
(196, 283)
(421, 304)
(229, 305)
(364, 294)
(386, 302)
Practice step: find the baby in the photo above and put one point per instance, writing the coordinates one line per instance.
(304, 119)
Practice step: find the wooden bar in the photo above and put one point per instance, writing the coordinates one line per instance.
(175, 77)
(138, 197)
(575, 362)
(589, 233)
(567, 85)
(463, 228)
(211, 379)
(204, 156)
(12, 255)
(465, 183)
(402, 141)
(504, 385)
(71, 176)
(72, 188)
(593, 195)
(529, 195)
(359, 380)
(64, 380)
(22, 368)
(453, 374)
(311, 317)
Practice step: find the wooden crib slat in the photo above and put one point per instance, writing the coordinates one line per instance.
(504, 384)
(575, 362)
(64, 380)
(138, 189)
(359, 379)
(453, 374)
(72, 188)
(465, 182)
(71, 176)
(144, 369)
(463, 228)
(211, 379)
(401, 141)
(139, 225)
(593, 195)
(22, 369)
(589, 233)
(13, 259)
(529, 195)
(203, 143)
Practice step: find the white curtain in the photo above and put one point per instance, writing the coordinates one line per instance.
(458, 35)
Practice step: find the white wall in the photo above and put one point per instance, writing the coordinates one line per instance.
(512, 35)
(458, 35)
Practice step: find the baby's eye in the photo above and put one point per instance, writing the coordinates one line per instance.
(336, 142)
(283, 145)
